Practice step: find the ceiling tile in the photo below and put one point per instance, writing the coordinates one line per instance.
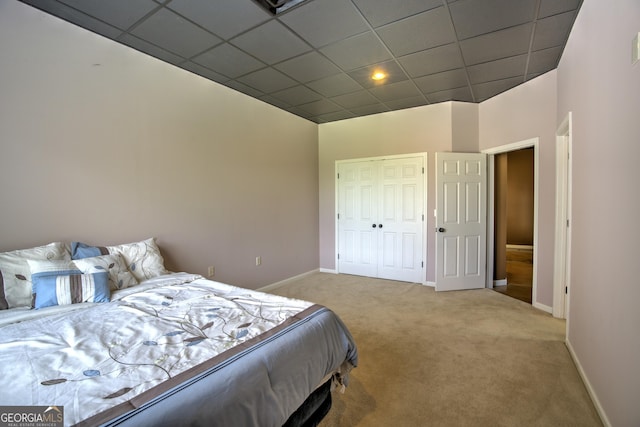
(308, 67)
(419, 32)
(552, 31)
(119, 13)
(204, 72)
(271, 42)
(326, 21)
(400, 90)
(357, 51)
(442, 81)
(497, 70)
(274, 101)
(441, 58)
(241, 87)
(545, 60)
(161, 29)
(217, 17)
(553, 7)
(228, 60)
(462, 94)
(335, 85)
(150, 49)
(370, 109)
(475, 17)
(380, 12)
(500, 44)
(267, 80)
(72, 15)
(301, 113)
(391, 68)
(338, 115)
(356, 99)
(484, 91)
(400, 104)
(297, 95)
(323, 106)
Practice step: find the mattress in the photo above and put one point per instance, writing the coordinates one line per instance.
(175, 350)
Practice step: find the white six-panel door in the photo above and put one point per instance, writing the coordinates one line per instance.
(461, 228)
(357, 211)
(381, 218)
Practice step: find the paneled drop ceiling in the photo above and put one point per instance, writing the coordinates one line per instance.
(316, 58)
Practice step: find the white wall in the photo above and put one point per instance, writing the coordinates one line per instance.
(103, 144)
(600, 86)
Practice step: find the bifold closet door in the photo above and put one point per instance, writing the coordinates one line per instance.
(380, 218)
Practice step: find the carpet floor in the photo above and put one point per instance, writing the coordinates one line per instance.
(468, 358)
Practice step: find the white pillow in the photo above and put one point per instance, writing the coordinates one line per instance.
(119, 275)
(143, 258)
(15, 274)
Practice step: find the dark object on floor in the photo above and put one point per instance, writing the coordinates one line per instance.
(313, 410)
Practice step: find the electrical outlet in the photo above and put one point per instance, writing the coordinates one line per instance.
(258, 260)
(212, 271)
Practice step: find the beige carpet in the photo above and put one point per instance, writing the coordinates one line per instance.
(469, 358)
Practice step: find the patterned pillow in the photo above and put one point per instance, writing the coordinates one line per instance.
(143, 258)
(64, 288)
(15, 275)
(119, 276)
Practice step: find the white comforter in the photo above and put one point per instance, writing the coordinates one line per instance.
(98, 356)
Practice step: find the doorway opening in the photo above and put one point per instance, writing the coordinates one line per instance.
(513, 220)
(513, 223)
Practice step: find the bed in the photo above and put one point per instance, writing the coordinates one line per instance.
(159, 348)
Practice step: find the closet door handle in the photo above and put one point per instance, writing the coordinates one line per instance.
(373, 225)
(380, 225)
(441, 230)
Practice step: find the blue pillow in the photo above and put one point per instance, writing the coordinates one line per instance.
(81, 250)
(69, 287)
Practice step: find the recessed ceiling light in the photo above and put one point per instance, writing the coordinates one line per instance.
(379, 75)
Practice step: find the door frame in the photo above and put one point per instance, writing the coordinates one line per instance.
(562, 252)
(336, 184)
(491, 152)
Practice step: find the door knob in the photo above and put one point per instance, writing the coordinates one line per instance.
(373, 225)
(380, 225)
(440, 230)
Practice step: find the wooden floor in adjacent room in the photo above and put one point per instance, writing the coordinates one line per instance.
(519, 275)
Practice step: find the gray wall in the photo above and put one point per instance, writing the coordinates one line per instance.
(103, 144)
(599, 85)
(520, 114)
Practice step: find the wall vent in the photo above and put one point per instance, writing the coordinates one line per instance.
(276, 7)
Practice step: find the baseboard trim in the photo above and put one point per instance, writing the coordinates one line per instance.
(543, 307)
(521, 247)
(276, 285)
(328, 270)
(500, 282)
(587, 384)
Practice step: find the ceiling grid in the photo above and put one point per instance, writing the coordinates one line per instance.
(316, 58)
